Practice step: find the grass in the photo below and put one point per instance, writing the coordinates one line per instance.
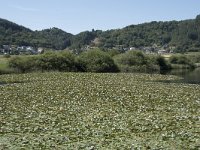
(3, 62)
(4, 68)
(97, 111)
(192, 53)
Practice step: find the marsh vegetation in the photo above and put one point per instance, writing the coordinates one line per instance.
(98, 111)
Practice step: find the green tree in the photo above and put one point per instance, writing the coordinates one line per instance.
(96, 61)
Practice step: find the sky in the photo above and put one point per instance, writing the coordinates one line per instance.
(75, 16)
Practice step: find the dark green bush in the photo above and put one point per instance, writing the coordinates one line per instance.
(51, 61)
(131, 58)
(195, 58)
(60, 61)
(6, 56)
(96, 61)
(23, 63)
(164, 65)
(136, 61)
(178, 59)
(181, 60)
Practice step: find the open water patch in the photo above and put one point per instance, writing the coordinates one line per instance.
(187, 76)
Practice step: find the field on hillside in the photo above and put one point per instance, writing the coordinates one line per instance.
(98, 111)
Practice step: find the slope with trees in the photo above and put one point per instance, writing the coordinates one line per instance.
(182, 35)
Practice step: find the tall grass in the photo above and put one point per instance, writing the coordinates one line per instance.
(4, 66)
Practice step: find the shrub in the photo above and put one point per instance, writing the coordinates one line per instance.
(51, 61)
(136, 61)
(96, 61)
(6, 56)
(60, 61)
(131, 58)
(23, 63)
(113, 52)
(195, 58)
(181, 60)
(162, 63)
(178, 59)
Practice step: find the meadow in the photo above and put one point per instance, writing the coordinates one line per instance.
(4, 65)
(3, 62)
(98, 111)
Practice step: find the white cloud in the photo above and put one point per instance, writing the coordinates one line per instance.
(22, 8)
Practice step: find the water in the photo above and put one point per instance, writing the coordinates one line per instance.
(189, 76)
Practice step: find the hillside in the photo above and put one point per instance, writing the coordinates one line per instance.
(13, 34)
(52, 38)
(182, 35)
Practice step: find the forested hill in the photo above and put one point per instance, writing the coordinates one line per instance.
(13, 34)
(183, 35)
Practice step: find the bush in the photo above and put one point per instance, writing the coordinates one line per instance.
(181, 60)
(60, 61)
(96, 61)
(178, 59)
(163, 63)
(113, 52)
(195, 58)
(136, 61)
(51, 61)
(23, 63)
(131, 58)
(6, 56)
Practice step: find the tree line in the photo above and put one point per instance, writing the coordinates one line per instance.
(183, 35)
(97, 61)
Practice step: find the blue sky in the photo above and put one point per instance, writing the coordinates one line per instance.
(75, 16)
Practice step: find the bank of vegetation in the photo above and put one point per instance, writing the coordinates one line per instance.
(97, 61)
(98, 111)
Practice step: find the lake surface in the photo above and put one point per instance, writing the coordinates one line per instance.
(189, 76)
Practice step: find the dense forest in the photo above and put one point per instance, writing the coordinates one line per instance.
(182, 35)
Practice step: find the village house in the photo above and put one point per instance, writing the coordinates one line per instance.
(26, 49)
(40, 50)
(132, 48)
(163, 51)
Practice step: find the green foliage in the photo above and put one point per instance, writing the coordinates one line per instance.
(4, 67)
(184, 35)
(82, 39)
(13, 34)
(164, 65)
(178, 59)
(50, 61)
(132, 61)
(53, 38)
(61, 61)
(181, 60)
(96, 61)
(98, 111)
(132, 58)
(113, 52)
(193, 57)
(6, 56)
(23, 64)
